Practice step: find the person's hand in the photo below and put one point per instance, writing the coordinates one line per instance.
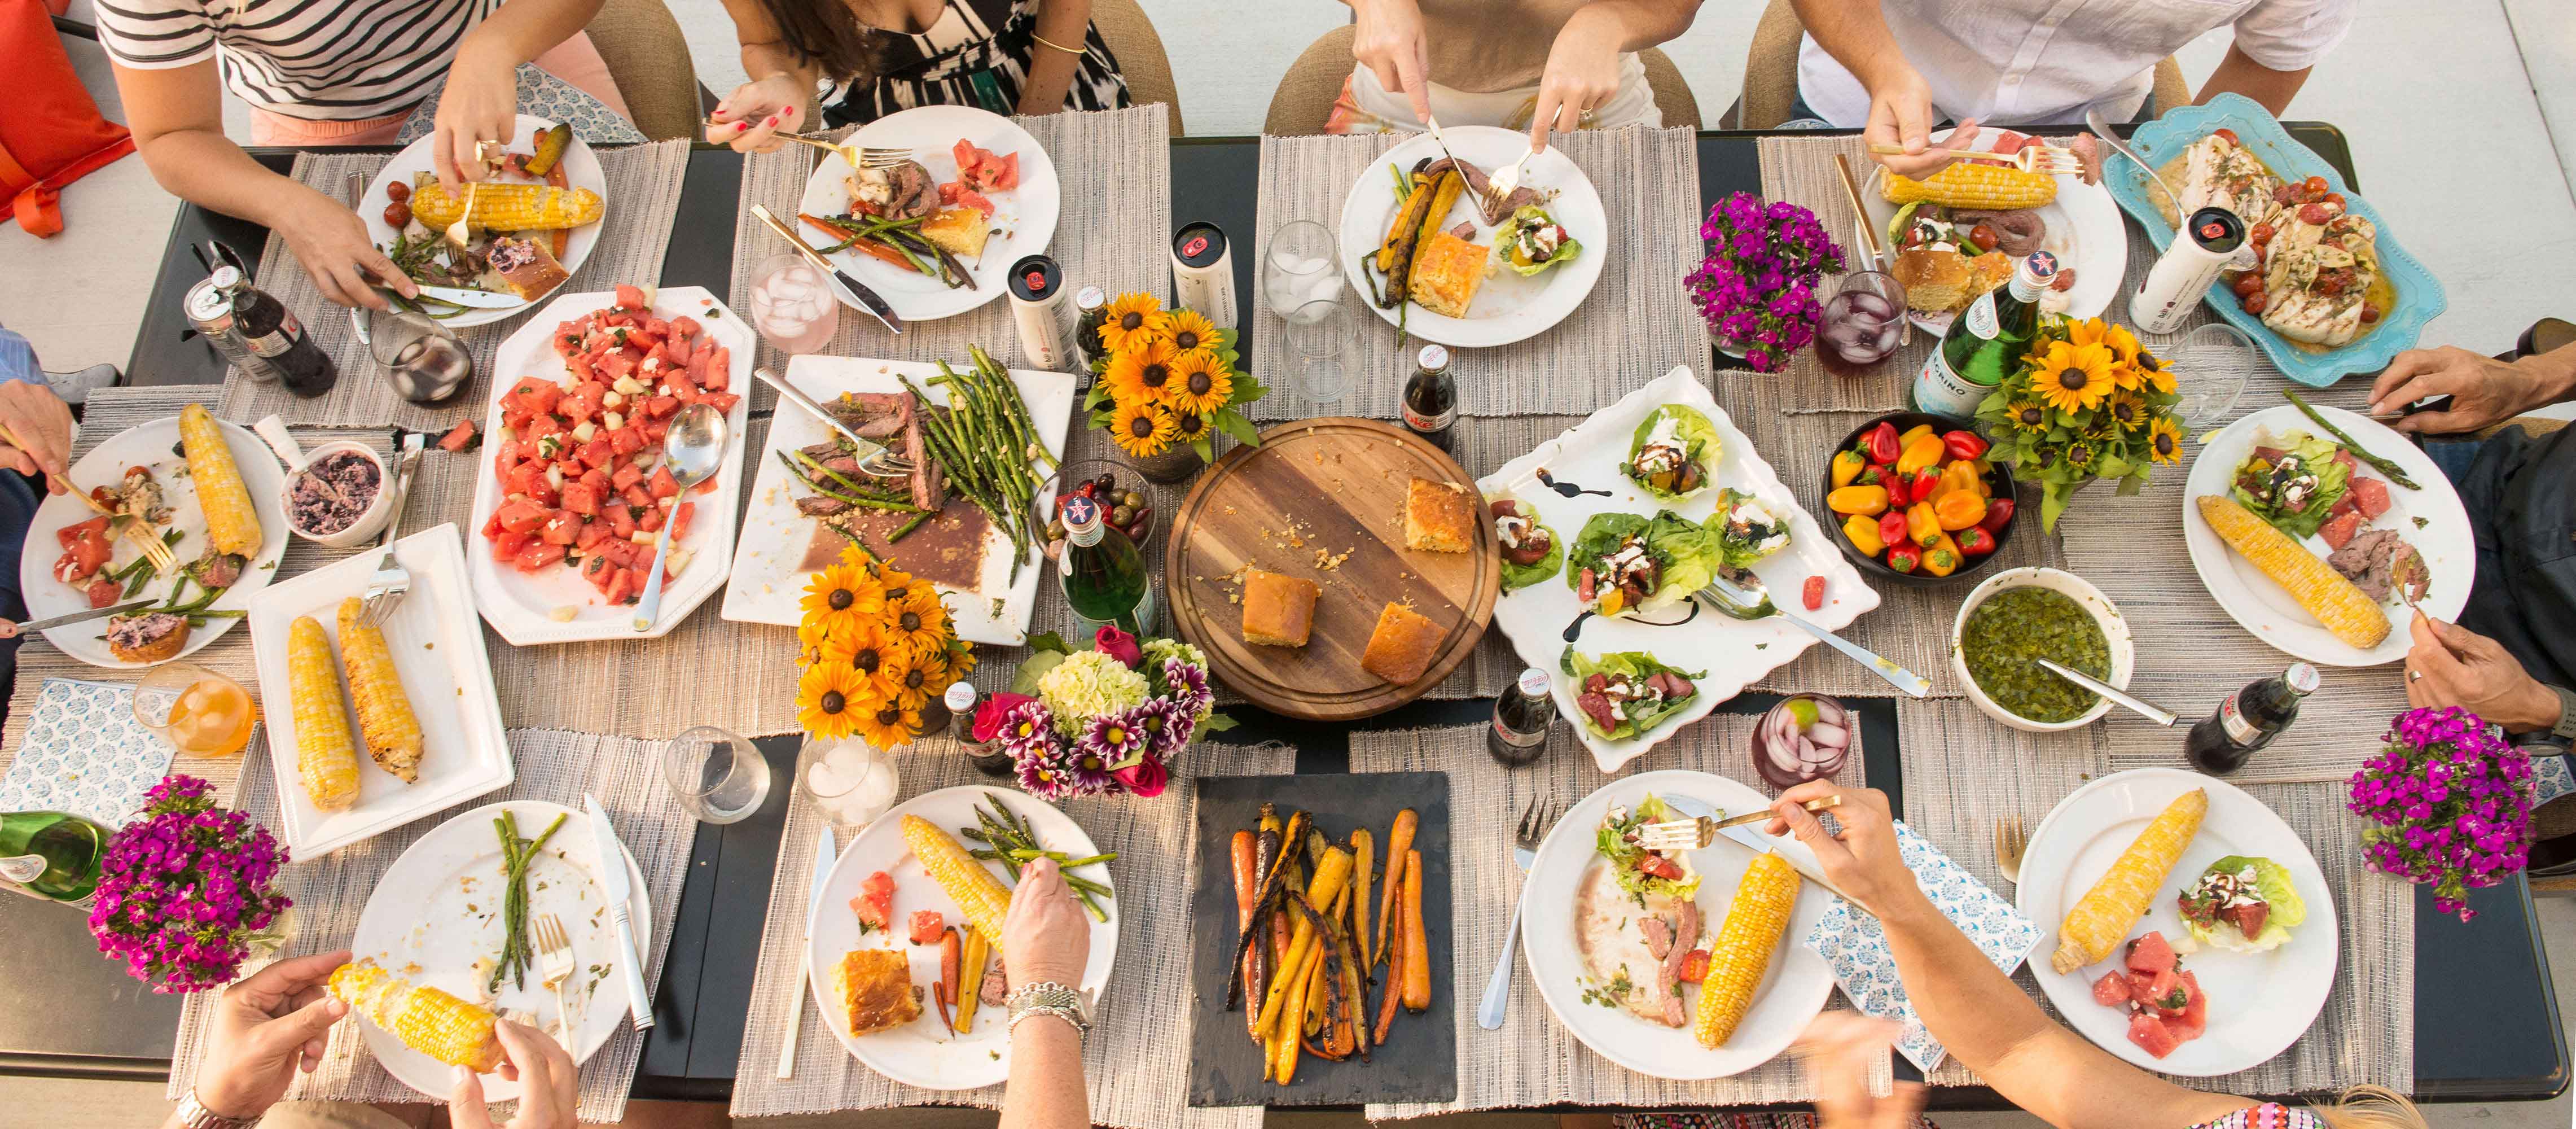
(266, 1027)
(549, 1083)
(2450, 665)
(8, 629)
(1900, 113)
(751, 118)
(1839, 1049)
(1387, 39)
(481, 104)
(40, 419)
(1046, 937)
(1582, 75)
(2483, 391)
(331, 241)
(1862, 860)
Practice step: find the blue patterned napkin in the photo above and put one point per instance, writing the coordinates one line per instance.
(2550, 777)
(1855, 945)
(85, 753)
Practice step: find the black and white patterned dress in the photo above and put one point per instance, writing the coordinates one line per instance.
(977, 54)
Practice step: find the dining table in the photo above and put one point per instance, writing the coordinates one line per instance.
(2486, 1021)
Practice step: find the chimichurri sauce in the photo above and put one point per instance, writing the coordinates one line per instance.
(2018, 625)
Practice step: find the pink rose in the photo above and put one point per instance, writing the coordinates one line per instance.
(1145, 777)
(988, 718)
(1118, 645)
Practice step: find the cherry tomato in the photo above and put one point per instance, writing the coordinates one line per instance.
(397, 214)
(2254, 303)
(2315, 184)
(2335, 198)
(1983, 236)
(2314, 214)
(2248, 283)
(1814, 593)
(2227, 133)
(2331, 282)
(2281, 195)
(2369, 313)
(397, 191)
(2261, 234)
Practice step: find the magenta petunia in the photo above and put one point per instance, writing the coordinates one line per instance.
(2448, 804)
(185, 891)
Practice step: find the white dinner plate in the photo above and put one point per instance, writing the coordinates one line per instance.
(1507, 307)
(1794, 987)
(1023, 219)
(923, 1053)
(580, 166)
(2084, 232)
(1731, 654)
(438, 651)
(434, 914)
(2259, 1003)
(153, 445)
(2444, 538)
(557, 605)
(771, 560)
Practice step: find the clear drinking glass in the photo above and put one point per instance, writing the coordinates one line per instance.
(1317, 342)
(1863, 324)
(793, 306)
(423, 360)
(2211, 365)
(201, 713)
(716, 774)
(850, 781)
(1303, 265)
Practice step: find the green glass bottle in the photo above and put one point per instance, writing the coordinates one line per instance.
(51, 854)
(1984, 343)
(1103, 573)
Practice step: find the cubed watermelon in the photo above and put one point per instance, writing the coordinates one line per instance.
(2338, 530)
(2151, 953)
(2195, 1016)
(2371, 495)
(875, 903)
(926, 926)
(2150, 1035)
(2112, 990)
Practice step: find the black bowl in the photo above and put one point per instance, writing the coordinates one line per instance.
(1998, 476)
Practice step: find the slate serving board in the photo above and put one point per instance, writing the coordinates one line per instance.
(1420, 1061)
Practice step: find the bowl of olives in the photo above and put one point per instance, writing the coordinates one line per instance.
(1120, 489)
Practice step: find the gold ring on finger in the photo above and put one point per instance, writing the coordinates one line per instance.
(483, 149)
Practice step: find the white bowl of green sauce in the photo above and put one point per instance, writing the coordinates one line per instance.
(2033, 613)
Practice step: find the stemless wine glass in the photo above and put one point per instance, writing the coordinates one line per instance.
(1862, 325)
(199, 712)
(850, 781)
(715, 774)
(2211, 365)
(423, 360)
(1316, 333)
(793, 306)
(1303, 265)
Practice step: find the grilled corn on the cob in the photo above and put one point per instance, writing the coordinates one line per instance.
(508, 207)
(324, 756)
(977, 892)
(1754, 923)
(232, 526)
(2104, 914)
(1973, 184)
(424, 1018)
(384, 712)
(2352, 616)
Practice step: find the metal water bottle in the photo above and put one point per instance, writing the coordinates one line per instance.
(2182, 276)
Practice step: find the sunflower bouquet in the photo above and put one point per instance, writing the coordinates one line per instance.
(876, 646)
(1168, 378)
(2087, 401)
(1101, 721)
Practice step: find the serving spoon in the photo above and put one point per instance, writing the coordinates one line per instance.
(1744, 596)
(692, 451)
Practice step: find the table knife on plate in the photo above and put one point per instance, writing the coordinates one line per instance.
(35, 625)
(868, 299)
(619, 890)
(1758, 843)
(825, 854)
(472, 299)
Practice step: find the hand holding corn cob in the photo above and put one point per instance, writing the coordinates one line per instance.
(424, 1018)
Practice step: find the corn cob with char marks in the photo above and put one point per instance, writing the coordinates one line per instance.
(325, 757)
(232, 525)
(1973, 184)
(424, 1018)
(384, 712)
(975, 889)
(1742, 953)
(508, 207)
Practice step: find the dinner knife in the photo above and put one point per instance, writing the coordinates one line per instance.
(825, 854)
(868, 299)
(474, 299)
(614, 884)
(2152, 713)
(35, 625)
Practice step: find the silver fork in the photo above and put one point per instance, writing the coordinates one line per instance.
(392, 581)
(859, 156)
(870, 453)
(557, 961)
(1536, 817)
(1696, 834)
(2010, 841)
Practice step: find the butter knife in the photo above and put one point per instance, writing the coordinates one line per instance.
(618, 890)
(868, 299)
(2152, 713)
(35, 625)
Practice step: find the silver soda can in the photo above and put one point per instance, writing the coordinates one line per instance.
(209, 306)
(2207, 243)
(1203, 272)
(1038, 299)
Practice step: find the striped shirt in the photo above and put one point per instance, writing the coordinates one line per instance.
(320, 60)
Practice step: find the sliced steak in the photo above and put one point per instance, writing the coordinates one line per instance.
(874, 415)
(816, 505)
(2369, 559)
(925, 486)
(1466, 230)
(1669, 974)
(1659, 935)
(823, 450)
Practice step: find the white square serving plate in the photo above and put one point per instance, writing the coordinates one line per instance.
(437, 646)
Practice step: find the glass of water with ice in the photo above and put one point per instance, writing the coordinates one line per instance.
(793, 305)
(1302, 267)
(716, 774)
(850, 781)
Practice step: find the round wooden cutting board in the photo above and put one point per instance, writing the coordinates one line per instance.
(1323, 500)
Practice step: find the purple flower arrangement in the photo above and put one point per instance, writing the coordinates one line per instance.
(2449, 803)
(1757, 286)
(187, 890)
(1104, 721)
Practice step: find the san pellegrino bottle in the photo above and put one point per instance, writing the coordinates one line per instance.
(1984, 343)
(52, 855)
(1103, 573)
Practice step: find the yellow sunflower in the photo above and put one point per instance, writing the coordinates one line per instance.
(825, 638)
(918, 682)
(1134, 319)
(1141, 429)
(2128, 409)
(1189, 427)
(2029, 416)
(919, 626)
(2074, 377)
(2124, 344)
(2152, 373)
(2087, 331)
(1191, 332)
(857, 556)
(874, 661)
(1200, 384)
(841, 600)
(2164, 440)
(1141, 375)
(831, 698)
(888, 725)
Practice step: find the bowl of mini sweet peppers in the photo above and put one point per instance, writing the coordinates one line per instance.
(1913, 498)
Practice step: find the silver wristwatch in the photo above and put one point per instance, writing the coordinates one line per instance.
(1046, 997)
(193, 1114)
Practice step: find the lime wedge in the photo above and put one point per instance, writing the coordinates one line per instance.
(1804, 711)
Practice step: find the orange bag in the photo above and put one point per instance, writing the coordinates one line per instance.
(52, 133)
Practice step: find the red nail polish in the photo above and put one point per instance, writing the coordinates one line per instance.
(773, 120)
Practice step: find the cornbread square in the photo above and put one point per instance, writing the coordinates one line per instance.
(1438, 517)
(1278, 611)
(876, 987)
(1401, 647)
(1446, 272)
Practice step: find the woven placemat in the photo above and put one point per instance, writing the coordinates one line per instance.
(1532, 1060)
(555, 766)
(1962, 773)
(1112, 231)
(1131, 1061)
(643, 202)
(1626, 331)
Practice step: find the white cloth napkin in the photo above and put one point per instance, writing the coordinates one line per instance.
(1855, 945)
(85, 753)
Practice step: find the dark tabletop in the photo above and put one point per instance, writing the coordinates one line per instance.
(2486, 1019)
